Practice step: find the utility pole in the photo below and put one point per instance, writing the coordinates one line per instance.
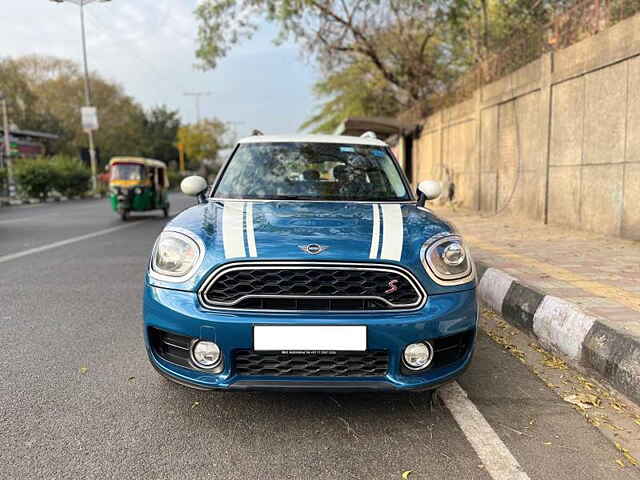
(181, 151)
(197, 96)
(87, 86)
(7, 146)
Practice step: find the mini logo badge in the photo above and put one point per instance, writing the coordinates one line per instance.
(312, 248)
(393, 287)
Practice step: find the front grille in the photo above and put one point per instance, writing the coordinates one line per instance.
(170, 346)
(351, 364)
(303, 286)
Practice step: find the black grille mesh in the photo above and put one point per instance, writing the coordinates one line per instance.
(170, 346)
(318, 288)
(348, 364)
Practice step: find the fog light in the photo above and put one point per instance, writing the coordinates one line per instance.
(205, 354)
(418, 355)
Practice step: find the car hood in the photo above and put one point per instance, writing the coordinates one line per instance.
(279, 230)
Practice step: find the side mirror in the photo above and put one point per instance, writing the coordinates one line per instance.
(194, 186)
(428, 190)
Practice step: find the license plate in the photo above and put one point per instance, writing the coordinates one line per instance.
(352, 338)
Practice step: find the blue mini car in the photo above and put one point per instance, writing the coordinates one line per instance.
(310, 265)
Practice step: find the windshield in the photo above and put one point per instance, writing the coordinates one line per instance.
(311, 171)
(127, 171)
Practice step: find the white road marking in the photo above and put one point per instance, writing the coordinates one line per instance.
(495, 456)
(251, 236)
(375, 234)
(68, 241)
(392, 232)
(233, 229)
(24, 219)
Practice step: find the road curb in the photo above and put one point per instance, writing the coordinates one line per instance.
(561, 326)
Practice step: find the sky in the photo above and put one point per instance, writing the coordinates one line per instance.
(148, 47)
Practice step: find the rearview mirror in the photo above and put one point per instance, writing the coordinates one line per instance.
(194, 186)
(428, 190)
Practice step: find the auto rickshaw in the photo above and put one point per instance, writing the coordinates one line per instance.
(138, 185)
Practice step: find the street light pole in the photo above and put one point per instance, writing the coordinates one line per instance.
(197, 96)
(87, 87)
(7, 146)
(87, 97)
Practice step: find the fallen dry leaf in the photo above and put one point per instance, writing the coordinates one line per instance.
(631, 459)
(405, 474)
(84, 370)
(625, 452)
(195, 404)
(582, 400)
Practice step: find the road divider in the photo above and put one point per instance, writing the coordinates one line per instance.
(68, 241)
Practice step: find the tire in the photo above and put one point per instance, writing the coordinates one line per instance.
(165, 211)
(124, 215)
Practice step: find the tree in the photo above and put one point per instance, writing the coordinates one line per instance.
(398, 38)
(202, 141)
(22, 100)
(479, 29)
(356, 90)
(47, 93)
(411, 50)
(160, 132)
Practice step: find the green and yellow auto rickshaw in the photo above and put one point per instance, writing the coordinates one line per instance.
(138, 185)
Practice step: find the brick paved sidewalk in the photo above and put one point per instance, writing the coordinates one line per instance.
(598, 273)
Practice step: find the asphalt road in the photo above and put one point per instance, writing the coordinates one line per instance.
(78, 398)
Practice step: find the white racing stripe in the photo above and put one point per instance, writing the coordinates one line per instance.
(392, 232)
(495, 456)
(44, 248)
(233, 229)
(251, 235)
(375, 234)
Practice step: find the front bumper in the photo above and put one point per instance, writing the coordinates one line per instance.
(443, 316)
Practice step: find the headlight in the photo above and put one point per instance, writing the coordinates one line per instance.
(175, 256)
(447, 260)
(138, 191)
(115, 190)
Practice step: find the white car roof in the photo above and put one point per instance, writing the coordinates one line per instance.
(343, 139)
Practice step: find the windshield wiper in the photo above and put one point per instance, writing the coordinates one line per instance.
(293, 197)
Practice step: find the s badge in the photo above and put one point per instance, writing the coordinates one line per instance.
(393, 287)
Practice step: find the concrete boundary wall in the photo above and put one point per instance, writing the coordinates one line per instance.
(557, 141)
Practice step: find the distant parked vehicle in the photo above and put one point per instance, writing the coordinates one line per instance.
(138, 185)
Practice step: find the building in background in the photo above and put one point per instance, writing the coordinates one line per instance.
(27, 143)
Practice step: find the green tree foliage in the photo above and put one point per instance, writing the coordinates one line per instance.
(36, 177)
(47, 93)
(356, 90)
(410, 50)
(479, 28)
(398, 38)
(72, 176)
(160, 131)
(202, 141)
